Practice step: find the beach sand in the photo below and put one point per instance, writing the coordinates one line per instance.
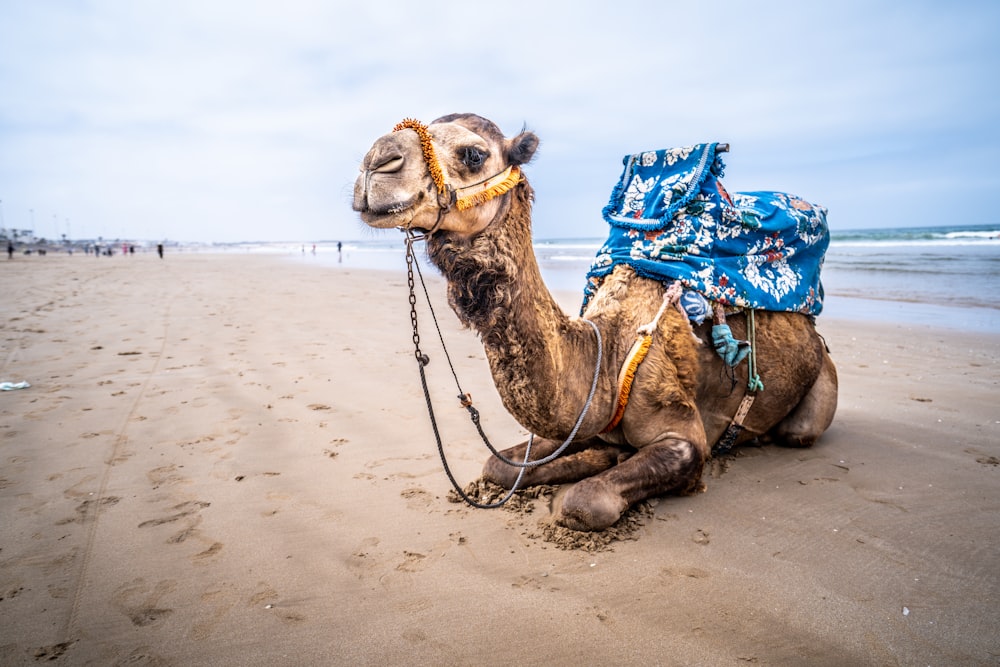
(227, 460)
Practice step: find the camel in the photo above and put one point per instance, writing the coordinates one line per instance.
(430, 180)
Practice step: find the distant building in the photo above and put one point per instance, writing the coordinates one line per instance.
(17, 235)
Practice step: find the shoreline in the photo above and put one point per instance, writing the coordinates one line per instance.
(844, 299)
(841, 306)
(228, 461)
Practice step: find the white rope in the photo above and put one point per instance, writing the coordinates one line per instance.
(671, 296)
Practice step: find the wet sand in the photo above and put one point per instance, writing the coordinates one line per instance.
(226, 460)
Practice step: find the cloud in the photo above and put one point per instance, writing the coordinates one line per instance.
(234, 121)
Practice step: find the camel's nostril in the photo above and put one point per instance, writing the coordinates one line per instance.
(388, 165)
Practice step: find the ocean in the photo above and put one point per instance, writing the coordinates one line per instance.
(946, 276)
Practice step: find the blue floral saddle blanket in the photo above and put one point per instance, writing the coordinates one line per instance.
(672, 220)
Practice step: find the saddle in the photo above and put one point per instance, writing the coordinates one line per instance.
(671, 219)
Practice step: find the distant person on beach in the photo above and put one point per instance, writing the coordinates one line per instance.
(340, 257)
(159, 250)
(10, 250)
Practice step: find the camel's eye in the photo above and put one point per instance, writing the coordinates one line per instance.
(473, 158)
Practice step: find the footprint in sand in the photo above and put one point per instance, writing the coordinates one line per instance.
(415, 561)
(212, 550)
(165, 476)
(267, 598)
(182, 510)
(263, 595)
(681, 572)
(51, 653)
(189, 530)
(214, 605)
(417, 498)
(412, 562)
(88, 509)
(527, 582)
(79, 490)
(141, 604)
(365, 558)
(186, 512)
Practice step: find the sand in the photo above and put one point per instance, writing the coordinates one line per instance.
(226, 460)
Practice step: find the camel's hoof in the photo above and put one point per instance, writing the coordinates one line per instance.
(587, 506)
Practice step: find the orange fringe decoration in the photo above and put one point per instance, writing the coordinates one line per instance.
(626, 377)
(427, 148)
(490, 191)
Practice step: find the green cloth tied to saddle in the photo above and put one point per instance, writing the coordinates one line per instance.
(731, 351)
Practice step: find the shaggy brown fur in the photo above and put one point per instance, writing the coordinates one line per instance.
(542, 360)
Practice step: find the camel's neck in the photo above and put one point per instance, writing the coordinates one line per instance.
(540, 358)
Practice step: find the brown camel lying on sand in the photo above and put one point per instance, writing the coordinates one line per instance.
(681, 401)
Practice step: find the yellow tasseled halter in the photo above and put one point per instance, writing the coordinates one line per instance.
(481, 192)
(494, 186)
(427, 148)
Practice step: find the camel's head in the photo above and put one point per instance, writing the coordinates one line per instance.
(450, 175)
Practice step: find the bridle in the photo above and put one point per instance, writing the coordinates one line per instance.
(460, 198)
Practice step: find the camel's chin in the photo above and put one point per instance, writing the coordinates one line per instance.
(388, 214)
(384, 220)
(418, 219)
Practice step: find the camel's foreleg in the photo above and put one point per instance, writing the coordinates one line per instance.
(670, 466)
(581, 459)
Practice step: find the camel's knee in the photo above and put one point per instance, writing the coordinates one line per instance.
(814, 413)
(588, 505)
(672, 467)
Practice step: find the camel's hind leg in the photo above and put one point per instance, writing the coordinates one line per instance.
(814, 413)
(581, 459)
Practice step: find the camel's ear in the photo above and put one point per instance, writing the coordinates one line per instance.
(521, 148)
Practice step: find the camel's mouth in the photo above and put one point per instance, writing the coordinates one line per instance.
(386, 215)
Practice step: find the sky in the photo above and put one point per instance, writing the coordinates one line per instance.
(243, 120)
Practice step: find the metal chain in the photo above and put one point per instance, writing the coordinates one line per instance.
(423, 360)
(466, 400)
